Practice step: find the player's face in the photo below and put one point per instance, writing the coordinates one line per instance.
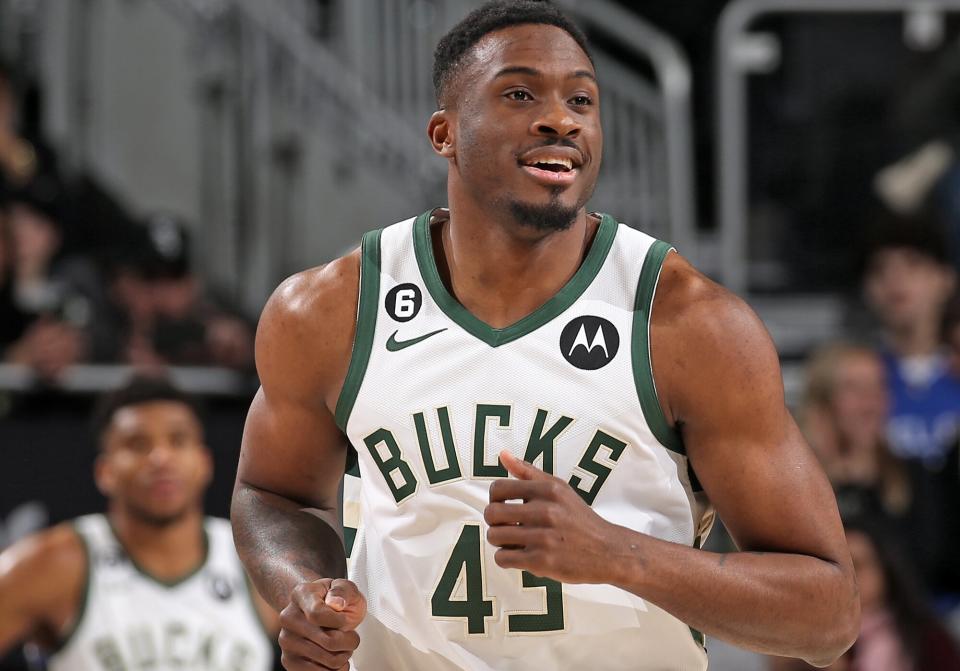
(154, 464)
(528, 136)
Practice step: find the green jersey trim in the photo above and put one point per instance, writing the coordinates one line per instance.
(366, 323)
(495, 337)
(164, 582)
(642, 364)
(84, 599)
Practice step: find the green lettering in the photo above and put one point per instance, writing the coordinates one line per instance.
(452, 471)
(143, 649)
(395, 470)
(481, 469)
(108, 652)
(174, 639)
(204, 658)
(590, 464)
(240, 657)
(545, 444)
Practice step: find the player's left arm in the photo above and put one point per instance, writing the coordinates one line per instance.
(791, 590)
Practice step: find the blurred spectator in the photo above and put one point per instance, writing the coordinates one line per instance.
(18, 159)
(844, 416)
(898, 631)
(49, 298)
(907, 284)
(162, 315)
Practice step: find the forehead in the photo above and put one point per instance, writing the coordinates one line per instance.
(152, 414)
(540, 46)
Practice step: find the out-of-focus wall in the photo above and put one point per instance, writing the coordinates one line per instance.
(142, 103)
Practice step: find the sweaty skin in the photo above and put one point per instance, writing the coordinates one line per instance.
(153, 466)
(791, 591)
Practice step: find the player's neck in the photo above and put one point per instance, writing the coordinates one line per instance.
(166, 552)
(502, 273)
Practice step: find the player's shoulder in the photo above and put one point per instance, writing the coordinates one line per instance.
(50, 563)
(307, 295)
(311, 317)
(687, 295)
(703, 315)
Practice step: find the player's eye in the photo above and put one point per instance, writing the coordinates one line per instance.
(138, 444)
(519, 95)
(581, 101)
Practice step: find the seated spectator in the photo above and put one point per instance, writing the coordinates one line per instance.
(49, 298)
(162, 315)
(907, 284)
(844, 416)
(898, 630)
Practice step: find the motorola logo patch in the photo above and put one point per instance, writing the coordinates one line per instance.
(220, 587)
(403, 302)
(589, 342)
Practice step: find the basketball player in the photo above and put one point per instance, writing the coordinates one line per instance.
(151, 584)
(541, 402)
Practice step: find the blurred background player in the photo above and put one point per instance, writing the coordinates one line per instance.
(152, 583)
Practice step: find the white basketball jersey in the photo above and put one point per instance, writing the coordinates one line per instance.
(131, 620)
(433, 394)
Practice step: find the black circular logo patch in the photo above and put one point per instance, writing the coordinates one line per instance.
(589, 342)
(220, 587)
(404, 301)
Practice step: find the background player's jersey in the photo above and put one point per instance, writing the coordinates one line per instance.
(130, 620)
(433, 394)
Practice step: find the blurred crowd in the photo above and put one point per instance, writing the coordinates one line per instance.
(882, 413)
(84, 281)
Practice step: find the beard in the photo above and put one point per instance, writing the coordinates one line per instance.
(552, 216)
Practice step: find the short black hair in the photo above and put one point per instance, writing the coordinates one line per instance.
(494, 15)
(921, 232)
(139, 389)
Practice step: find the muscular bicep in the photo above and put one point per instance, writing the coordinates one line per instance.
(293, 450)
(725, 392)
(292, 446)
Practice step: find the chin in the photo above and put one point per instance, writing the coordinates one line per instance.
(550, 215)
(159, 516)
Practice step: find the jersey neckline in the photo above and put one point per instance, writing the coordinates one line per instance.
(173, 582)
(556, 305)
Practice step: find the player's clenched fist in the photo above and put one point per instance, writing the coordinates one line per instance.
(318, 626)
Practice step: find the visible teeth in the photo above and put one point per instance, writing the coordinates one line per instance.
(565, 162)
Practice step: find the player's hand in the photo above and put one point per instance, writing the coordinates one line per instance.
(553, 533)
(318, 626)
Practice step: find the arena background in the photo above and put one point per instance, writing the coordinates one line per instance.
(224, 144)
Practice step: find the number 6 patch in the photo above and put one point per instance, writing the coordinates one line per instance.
(403, 302)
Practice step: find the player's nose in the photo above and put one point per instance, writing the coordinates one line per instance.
(555, 120)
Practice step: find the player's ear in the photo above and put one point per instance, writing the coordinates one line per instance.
(207, 466)
(440, 131)
(103, 475)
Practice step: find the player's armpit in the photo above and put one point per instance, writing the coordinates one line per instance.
(41, 586)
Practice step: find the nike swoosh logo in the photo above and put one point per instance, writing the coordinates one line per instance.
(394, 345)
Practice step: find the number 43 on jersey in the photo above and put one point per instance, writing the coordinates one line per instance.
(465, 569)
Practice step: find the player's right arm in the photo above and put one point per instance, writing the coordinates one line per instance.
(41, 586)
(292, 460)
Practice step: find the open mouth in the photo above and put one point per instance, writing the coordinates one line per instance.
(552, 165)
